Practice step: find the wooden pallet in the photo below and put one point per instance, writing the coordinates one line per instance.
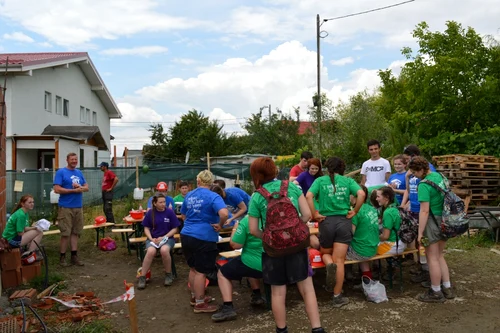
(470, 183)
(469, 174)
(469, 166)
(484, 197)
(490, 190)
(465, 158)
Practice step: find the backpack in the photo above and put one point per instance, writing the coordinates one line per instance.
(408, 230)
(453, 221)
(284, 232)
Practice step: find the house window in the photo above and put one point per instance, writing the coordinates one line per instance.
(94, 118)
(87, 116)
(66, 108)
(48, 101)
(58, 105)
(82, 114)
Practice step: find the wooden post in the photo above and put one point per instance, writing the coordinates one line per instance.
(208, 161)
(126, 157)
(237, 178)
(132, 311)
(114, 153)
(137, 171)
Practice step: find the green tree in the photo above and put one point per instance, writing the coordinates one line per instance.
(157, 149)
(322, 133)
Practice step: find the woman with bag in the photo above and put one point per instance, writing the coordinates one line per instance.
(288, 269)
(429, 232)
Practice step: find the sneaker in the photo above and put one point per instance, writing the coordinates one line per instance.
(75, 261)
(419, 278)
(141, 284)
(226, 312)
(169, 279)
(331, 272)
(207, 299)
(339, 301)
(448, 293)
(204, 308)
(62, 262)
(257, 299)
(432, 296)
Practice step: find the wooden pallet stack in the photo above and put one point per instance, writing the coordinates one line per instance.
(477, 173)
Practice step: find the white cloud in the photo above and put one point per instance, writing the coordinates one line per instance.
(230, 122)
(45, 44)
(357, 48)
(142, 51)
(18, 37)
(342, 61)
(184, 61)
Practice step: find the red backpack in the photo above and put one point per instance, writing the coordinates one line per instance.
(284, 232)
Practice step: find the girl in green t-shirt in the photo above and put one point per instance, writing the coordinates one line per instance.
(429, 233)
(391, 222)
(334, 217)
(17, 230)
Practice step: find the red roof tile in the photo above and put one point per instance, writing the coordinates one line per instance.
(27, 59)
(304, 126)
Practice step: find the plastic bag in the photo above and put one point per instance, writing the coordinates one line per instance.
(107, 244)
(374, 290)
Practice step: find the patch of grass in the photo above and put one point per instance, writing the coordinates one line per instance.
(96, 326)
(481, 239)
(54, 277)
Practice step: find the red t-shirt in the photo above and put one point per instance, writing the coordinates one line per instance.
(296, 171)
(107, 179)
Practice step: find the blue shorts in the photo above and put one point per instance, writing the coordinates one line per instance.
(170, 242)
(16, 241)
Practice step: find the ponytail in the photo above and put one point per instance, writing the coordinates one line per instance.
(23, 199)
(335, 165)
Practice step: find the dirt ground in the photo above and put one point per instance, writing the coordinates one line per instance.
(475, 274)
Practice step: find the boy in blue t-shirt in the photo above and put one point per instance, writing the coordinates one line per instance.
(398, 180)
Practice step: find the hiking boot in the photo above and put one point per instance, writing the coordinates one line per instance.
(419, 278)
(226, 312)
(204, 308)
(448, 293)
(62, 262)
(75, 261)
(432, 296)
(257, 300)
(169, 279)
(339, 301)
(141, 283)
(331, 272)
(207, 299)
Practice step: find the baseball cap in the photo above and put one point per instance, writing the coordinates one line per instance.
(104, 164)
(315, 258)
(161, 186)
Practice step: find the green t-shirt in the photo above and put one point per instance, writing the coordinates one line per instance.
(16, 224)
(427, 193)
(179, 198)
(334, 201)
(251, 255)
(391, 220)
(258, 204)
(366, 237)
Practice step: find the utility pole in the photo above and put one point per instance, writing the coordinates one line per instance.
(318, 99)
(269, 113)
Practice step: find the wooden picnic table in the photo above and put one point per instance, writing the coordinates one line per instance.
(97, 227)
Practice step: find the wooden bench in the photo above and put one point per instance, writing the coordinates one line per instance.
(222, 241)
(98, 228)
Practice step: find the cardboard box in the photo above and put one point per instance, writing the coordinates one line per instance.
(11, 279)
(29, 272)
(10, 260)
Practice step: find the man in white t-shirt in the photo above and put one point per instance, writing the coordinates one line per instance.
(377, 170)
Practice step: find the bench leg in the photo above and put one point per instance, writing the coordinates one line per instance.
(390, 272)
(174, 270)
(128, 243)
(97, 237)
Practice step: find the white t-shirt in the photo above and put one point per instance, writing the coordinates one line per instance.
(375, 171)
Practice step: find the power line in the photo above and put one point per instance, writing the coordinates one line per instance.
(367, 11)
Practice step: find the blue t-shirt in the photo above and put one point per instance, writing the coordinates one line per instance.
(400, 180)
(305, 180)
(168, 200)
(163, 222)
(66, 178)
(413, 195)
(201, 207)
(234, 196)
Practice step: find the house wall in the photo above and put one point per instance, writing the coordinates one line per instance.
(89, 161)
(26, 95)
(27, 158)
(8, 151)
(66, 147)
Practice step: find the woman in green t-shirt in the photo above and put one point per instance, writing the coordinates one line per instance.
(334, 216)
(391, 222)
(429, 233)
(17, 230)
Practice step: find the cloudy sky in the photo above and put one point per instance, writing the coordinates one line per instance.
(227, 58)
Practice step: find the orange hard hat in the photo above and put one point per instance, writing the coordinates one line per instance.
(100, 220)
(315, 258)
(161, 186)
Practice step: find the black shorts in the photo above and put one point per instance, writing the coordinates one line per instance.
(200, 254)
(235, 269)
(290, 269)
(335, 229)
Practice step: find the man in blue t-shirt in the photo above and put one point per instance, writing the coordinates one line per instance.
(235, 199)
(69, 183)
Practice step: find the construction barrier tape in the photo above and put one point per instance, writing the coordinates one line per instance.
(127, 296)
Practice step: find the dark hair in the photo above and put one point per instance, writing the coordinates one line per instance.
(363, 187)
(373, 143)
(388, 193)
(23, 199)
(262, 170)
(306, 154)
(400, 157)
(411, 150)
(316, 162)
(217, 189)
(183, 183)
(419, 163)
(220, 182)
(373, 199)
(153, 207)
(335, 165)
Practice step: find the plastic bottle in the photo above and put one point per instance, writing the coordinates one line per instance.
(423, 258)
(140, 208)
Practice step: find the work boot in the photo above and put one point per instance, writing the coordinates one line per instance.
(169, 279)
(448, 293)
(208, 299)
(75, 261)
(257, 300)
(62, 261)
(226, 312)
(432, 296)
(141, 284)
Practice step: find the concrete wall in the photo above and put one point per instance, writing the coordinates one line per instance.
(66, 147)
(27, 158)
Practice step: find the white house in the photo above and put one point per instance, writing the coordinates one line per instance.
(56, 103)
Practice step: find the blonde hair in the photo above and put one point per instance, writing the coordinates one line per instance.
(206, 178)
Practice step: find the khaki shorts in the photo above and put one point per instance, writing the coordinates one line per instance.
(70, 221)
